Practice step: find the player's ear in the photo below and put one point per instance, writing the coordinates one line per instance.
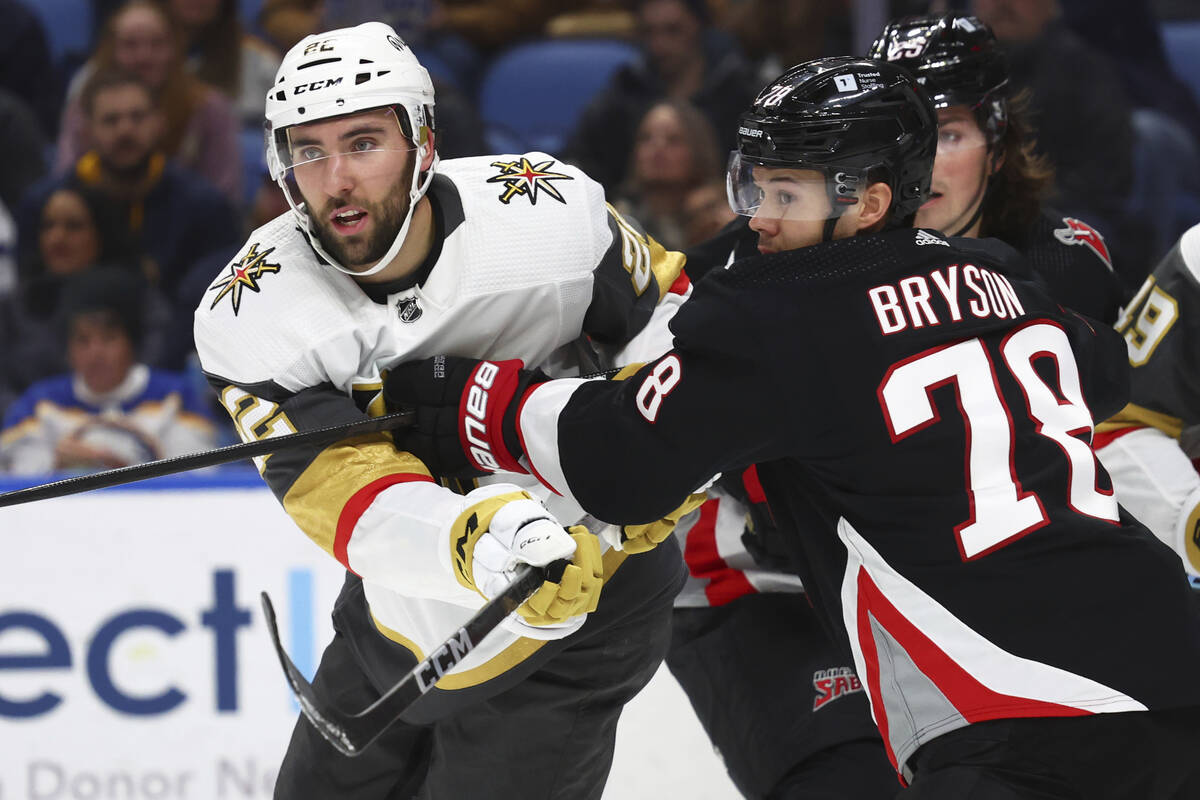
(429, 145)
(873, 205)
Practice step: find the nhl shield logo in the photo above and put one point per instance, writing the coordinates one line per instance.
(408, 309)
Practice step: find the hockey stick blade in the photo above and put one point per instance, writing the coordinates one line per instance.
(209, 458)
(350, 734)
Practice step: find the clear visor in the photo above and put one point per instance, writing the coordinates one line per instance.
(785, 193)
(955, 136)
(308, 151)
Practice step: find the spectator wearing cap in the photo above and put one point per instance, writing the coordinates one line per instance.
(110, 410)
(683, 58)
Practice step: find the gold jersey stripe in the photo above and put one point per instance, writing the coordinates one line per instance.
(315, 500)
(1133, 414)
(507, 658)
(627, 370)
(665, 264)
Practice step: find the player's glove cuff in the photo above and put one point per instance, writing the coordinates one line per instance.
(641, 538)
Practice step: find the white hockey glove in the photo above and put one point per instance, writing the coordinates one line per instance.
(505, 527)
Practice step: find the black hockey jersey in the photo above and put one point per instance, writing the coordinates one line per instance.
(936, 407)
(1069, 255)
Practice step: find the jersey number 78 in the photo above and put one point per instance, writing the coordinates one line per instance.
(1001, 511)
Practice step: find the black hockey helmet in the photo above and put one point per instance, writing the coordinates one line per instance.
(852, 119)
(956, 58)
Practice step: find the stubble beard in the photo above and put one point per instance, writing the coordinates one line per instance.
(360, 251)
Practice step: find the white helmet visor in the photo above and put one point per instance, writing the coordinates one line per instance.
(785, 193)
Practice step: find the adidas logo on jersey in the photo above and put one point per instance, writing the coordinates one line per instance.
(924, 237)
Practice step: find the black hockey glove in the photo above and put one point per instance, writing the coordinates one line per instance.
(466, 423)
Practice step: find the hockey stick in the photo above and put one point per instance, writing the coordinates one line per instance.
(350, 734)
(222, 455)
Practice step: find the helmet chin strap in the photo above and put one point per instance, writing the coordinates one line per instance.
(420, 183)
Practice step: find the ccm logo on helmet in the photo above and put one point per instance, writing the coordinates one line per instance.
(474, 421)
(315, 85)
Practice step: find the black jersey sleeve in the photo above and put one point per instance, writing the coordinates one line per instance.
(1073, 261)
(696, 411)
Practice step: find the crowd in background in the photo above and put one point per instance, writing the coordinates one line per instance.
(131, 170)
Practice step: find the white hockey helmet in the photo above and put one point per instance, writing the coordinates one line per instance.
(342, 72)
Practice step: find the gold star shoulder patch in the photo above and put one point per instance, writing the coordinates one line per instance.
(243, 274)
(521, 177)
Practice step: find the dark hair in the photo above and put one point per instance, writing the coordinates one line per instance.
(110, 78)
(1014, 195)
(117, 245)
(42, 290)
(697, 8)
(106, 290)
(218, 46)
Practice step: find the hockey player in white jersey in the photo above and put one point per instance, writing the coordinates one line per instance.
(386, 256)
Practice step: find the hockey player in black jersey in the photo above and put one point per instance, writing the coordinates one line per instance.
(933, 407)
(817, 735)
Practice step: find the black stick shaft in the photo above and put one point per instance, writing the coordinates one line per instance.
(209, 458)
(351, 732)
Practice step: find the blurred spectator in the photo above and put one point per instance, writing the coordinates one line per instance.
(674, 153)
(199, 123)
(221, 54)
(75, 230)
(680, 62)
(173, 215)
(1081, 115)
(26, 67)
(601, 18)
(22, 148)
(1129, 34)
(110, 410)
(776, 34)
(705, 212)
(286, 22)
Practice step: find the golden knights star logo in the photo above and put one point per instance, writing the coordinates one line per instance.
(243, 274)
(523, 177)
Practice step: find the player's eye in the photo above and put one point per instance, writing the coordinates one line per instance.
(783, 197)
(309, 154)
(363, 145)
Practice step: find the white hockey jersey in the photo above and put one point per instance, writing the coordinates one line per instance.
(528, 263)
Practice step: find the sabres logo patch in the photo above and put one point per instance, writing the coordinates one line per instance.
(243, 274)
(1079, 232)
(523, 177)
(830, 684)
